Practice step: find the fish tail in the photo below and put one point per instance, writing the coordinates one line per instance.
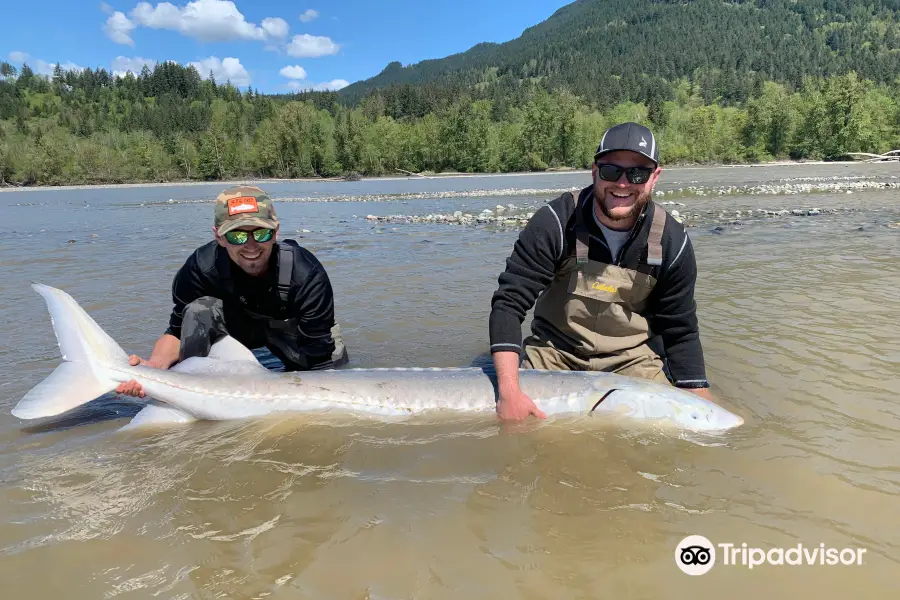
(85, 350)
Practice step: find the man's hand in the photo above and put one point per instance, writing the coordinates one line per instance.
(165, 354)
(703, 393)
(512, 403)
(132, 387)
(516, 405)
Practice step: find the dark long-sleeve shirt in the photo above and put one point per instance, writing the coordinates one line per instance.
(208, 271)
(549, 237)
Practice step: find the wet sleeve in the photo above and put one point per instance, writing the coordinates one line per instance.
(675, 320)
(529, 270)
(186, 287)
(313, 308)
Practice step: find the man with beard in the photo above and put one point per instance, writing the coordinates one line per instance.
(247, 284)
(611, 277)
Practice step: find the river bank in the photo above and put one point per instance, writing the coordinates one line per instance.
(262, 181)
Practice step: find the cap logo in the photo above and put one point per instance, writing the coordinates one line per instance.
(643, 143)
(244, 204)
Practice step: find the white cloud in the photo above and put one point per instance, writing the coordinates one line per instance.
(121, 65)
(227, 69)
(293, 72)
(208, 21)
(311, 46)
(216, 21)
(118, 28)
(275, 27)
(42, 67)
(333, 85)
(276, 31)
(39, 66)
(67, 66)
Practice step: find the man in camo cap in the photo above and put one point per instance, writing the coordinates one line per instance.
(247, 284)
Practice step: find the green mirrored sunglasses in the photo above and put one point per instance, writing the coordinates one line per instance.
(239, 237)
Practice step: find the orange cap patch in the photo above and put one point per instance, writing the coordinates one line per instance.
(242, 204)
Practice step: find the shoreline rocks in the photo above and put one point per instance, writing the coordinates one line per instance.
(773, 189)
(780, 187)
(691, 219)
(457, 218)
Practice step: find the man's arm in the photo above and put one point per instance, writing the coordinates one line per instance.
(166, 352)
(187, 286)
(674, 318)
(529, 269)
(313, 307)
(512, 403)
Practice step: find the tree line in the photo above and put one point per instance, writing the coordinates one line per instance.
(169, 123)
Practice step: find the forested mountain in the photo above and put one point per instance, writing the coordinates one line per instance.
(720, 83)
(612, 51)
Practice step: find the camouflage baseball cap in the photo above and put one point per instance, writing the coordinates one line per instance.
(244, 205)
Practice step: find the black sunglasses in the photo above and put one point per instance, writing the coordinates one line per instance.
(239, 237)
(610, 172)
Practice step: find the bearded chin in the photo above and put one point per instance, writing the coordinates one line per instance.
(635, 210)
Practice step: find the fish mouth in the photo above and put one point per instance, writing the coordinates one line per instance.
(727, 424)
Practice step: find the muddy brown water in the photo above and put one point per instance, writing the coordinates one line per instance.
(799, 323)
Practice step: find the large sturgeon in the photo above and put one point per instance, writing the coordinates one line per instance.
(231, 384)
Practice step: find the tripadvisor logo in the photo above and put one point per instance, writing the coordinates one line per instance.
(696, 555)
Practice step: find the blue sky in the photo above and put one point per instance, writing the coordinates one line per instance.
(273, 45)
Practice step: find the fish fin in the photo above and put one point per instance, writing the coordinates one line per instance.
(80, 338)
(86, 349)
(230, 349)
(157, 414)
(68, 386)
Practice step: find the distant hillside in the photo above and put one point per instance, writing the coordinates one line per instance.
(610, 51)
(720, 83)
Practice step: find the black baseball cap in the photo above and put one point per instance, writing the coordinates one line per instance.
(629, 136)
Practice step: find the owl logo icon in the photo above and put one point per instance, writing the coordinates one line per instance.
(695, 555)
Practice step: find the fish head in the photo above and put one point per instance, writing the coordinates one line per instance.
(707, 416)
(652, 402)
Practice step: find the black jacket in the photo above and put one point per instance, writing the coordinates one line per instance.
(549, 237)
(209, 271)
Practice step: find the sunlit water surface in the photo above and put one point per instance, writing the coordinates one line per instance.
(799, 324)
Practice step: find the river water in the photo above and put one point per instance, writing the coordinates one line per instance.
(799, 322)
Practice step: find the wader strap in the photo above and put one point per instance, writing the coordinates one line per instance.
(654, 241)
(582, 236)
(285, 270)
